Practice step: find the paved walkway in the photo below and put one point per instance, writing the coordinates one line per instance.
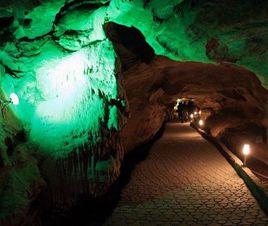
(186, 181)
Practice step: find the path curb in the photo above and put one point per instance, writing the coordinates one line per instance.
(257, 188)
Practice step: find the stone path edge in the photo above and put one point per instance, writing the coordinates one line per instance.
(258, 190)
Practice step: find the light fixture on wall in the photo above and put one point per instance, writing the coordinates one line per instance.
(246, 152)
(201, 123)
(13, 99)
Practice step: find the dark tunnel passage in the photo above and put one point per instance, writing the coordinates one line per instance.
(113, 111)
(221, 109)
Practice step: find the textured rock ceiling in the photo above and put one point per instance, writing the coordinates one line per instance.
(205, 31)
(61, 58)
(65, 61)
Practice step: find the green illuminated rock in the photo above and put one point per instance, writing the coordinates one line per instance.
(66, 60)
(183, 30)
(65, 75)
(56, 57)
(62, 93)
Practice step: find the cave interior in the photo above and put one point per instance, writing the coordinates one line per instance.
(87, 86)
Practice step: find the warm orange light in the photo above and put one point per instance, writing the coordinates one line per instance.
(201, 123)
(191, 116)
(246, 149)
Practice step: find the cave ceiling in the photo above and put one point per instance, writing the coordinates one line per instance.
(56, 57)
(86, 88)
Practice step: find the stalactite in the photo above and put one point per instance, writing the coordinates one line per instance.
(77, 174)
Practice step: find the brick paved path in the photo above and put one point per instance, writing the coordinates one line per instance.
(186, 181)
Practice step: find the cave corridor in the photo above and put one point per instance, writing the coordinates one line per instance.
(133, 112)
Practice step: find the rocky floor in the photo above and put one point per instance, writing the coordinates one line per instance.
(186, 181)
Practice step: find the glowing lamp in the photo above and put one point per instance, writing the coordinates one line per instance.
(195, 113)
(191, 116)
(246, 149)
(246, 152)
(201, 123)
(200, 112)
(14, 98)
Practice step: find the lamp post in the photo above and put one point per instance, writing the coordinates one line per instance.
(201, 123)
(246, 152)
(192, 116)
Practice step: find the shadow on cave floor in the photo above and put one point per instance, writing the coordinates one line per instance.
(96, 211)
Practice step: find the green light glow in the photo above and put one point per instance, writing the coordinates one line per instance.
(68, 73)
(62, 83)
(60, 106)
(181, 32)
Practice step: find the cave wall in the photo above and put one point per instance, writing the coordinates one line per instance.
(229, 96)
(59, 59)
(71, 106)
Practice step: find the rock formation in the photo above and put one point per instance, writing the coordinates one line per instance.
(97, 78)
(226, 100)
